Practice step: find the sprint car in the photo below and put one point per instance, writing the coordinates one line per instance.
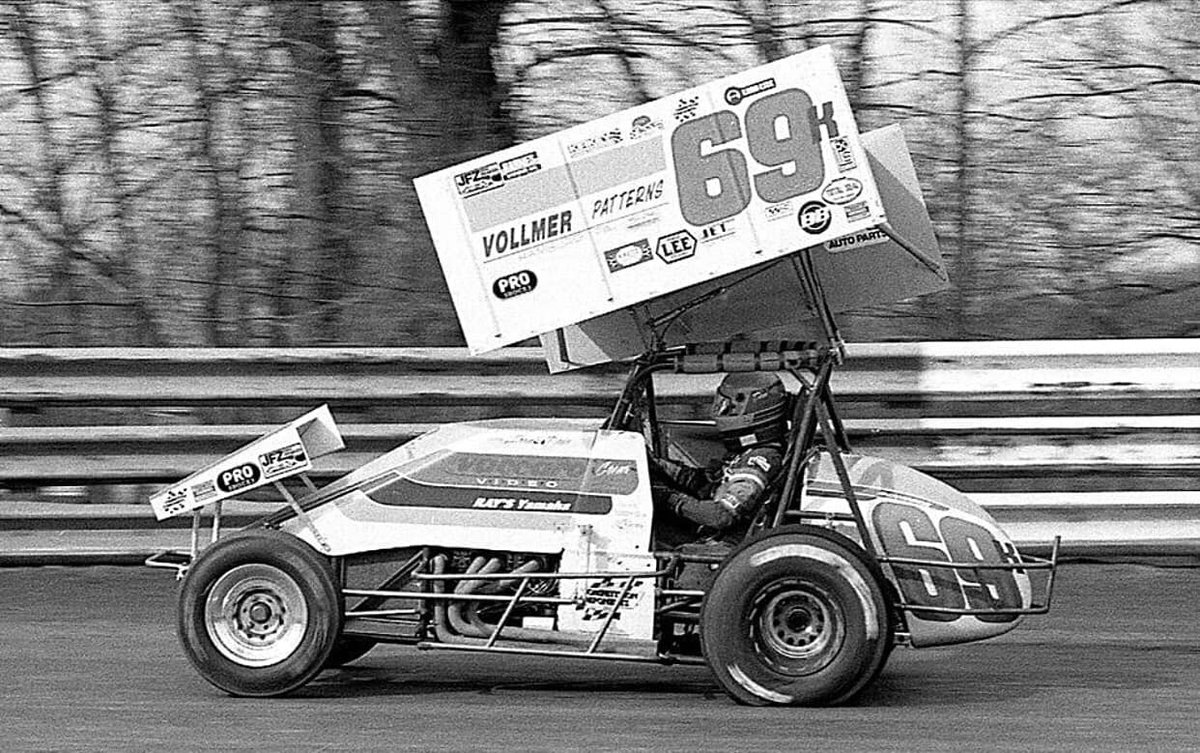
(681, 235)
(538, 537)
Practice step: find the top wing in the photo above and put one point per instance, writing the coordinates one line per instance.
(770, 301)
(639, 205)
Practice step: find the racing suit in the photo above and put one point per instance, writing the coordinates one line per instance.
(718, 497)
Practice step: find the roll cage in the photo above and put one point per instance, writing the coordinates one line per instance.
(815, 426)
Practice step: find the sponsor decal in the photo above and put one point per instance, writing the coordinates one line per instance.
(410, 492)
(643, 125)
(177, 499)
(676, 246)
(522, 504)
(814, 217)
(518, 483)
(842, 156)
(686, 108)
(719, 230)
(758, 461)
(623, 468)
(531, 472)
(280, 461)
(631, 254)
(778, 211)
(478, 180)
(842, 190)
(871, 237)
(627, 199)
(518, 166)
(594, 143)
(857, 212)
(515, 284)
(601, 597)
(526, 234)
(241, 477)
(735, 94)
(205, 490)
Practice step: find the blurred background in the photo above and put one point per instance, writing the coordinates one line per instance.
(238, 172)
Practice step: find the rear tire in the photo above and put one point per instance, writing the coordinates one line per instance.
(796, 617)
(259, 613)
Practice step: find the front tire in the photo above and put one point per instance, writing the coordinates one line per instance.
(796, 617)
(259, 613)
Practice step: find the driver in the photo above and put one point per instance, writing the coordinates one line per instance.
(750, 412)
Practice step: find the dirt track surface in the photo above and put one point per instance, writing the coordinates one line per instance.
(91, 663)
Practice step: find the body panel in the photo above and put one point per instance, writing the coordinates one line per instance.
(913, 516)
(553, 488)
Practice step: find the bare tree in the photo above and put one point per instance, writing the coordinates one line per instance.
(211, 69)
(324, 257)
(121, 269)
(51, 219)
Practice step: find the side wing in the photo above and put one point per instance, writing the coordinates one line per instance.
(279, 454)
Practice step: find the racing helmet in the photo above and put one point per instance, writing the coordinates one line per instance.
(750, 408)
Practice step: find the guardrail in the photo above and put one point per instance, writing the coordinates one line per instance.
(1098, 441)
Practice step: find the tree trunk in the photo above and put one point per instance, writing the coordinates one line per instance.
(224, 305)
(963, 270)
(324, 264)
(122, 270)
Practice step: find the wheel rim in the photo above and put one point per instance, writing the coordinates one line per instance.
(798, 627)
(256, 615)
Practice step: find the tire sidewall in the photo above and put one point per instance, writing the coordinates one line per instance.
(313, 574)
(822, 563)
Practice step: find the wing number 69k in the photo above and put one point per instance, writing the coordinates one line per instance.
(783, 132)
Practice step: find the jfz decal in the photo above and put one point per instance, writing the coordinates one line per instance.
(478, 180)
(280, 461)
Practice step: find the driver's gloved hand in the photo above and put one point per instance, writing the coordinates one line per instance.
(715, 470)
